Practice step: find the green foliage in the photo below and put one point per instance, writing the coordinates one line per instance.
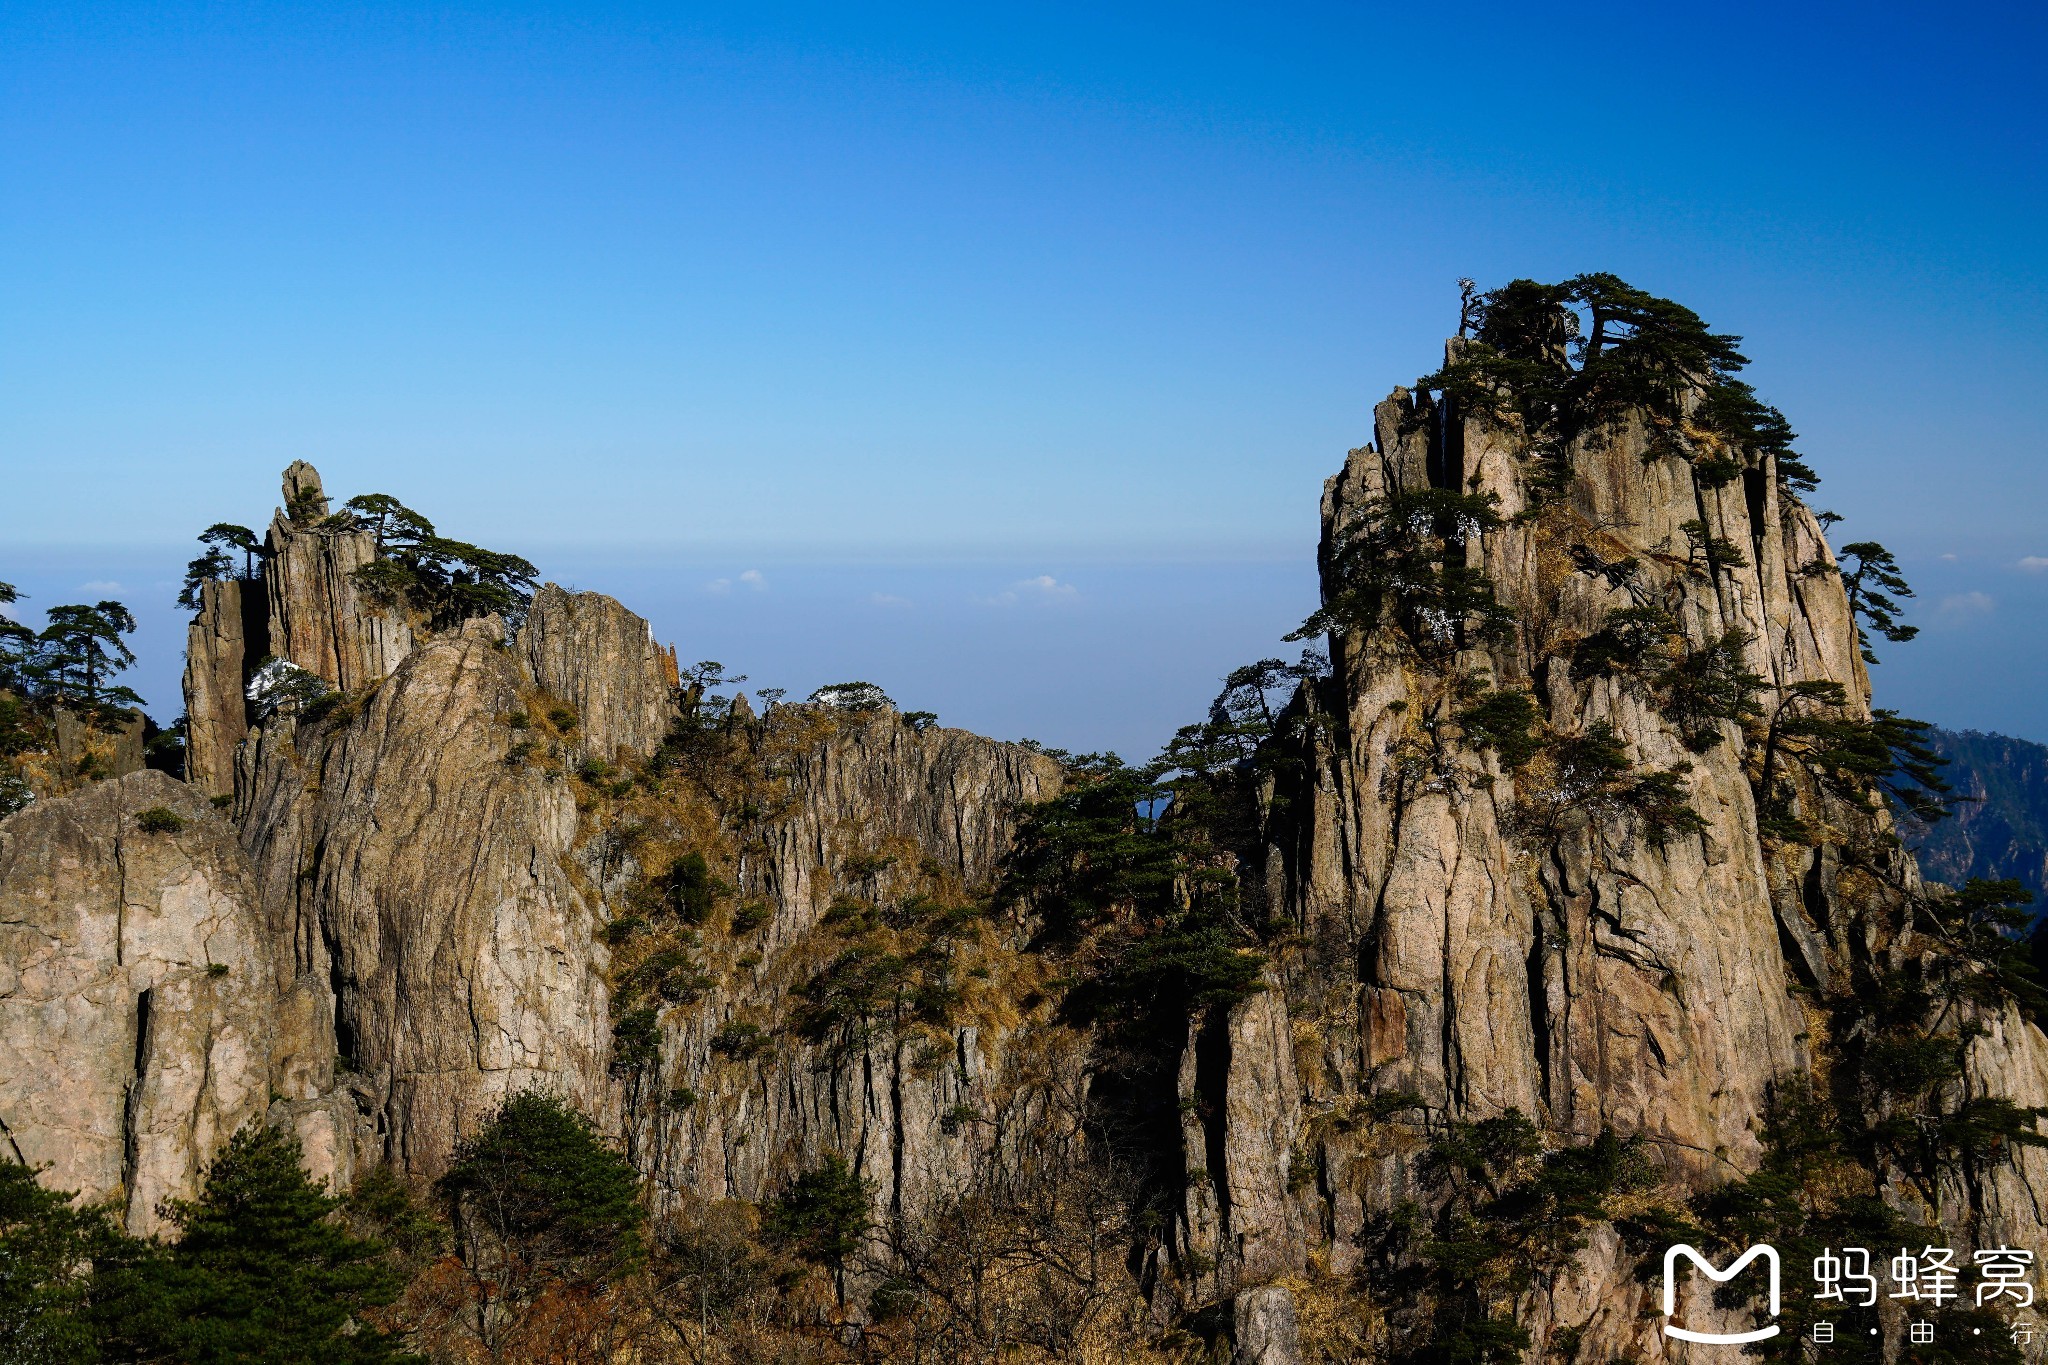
(698, 696)
(920, 721)
(1709, 553)
(1707, 684)
(46, 1251)
(222, 541)
(636, 1041)
(1854, 759)
(1566, 362)
(1094, 847)
(1591, 776)
(1871, 585)
(163, 748)
(689, 888)
(445, 581)
(1504, 720)
(1183, 968)
(1511, 1214)
(1215, 768)
(1629, 643)
(72, 660)
(749, 917)
(535, 1195)
(862, 986)
(281, 686)
(381, 1208)
(740, 1041)
(159, 820)
(259, 1271)
(1732, 409)
(15, 794)
(822, 1214)
(1400, 560)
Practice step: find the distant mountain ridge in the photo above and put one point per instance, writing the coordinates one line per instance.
(2000, 829)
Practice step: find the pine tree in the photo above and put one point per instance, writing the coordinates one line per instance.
(215, 563)
(540, 1206)
(260, 1272)
(46, 1248)
(1869, 586)
(79, 650)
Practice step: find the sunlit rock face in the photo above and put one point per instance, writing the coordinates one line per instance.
(138, 1001)
(1584, 973)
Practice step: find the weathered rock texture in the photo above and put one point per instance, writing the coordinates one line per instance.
(937, 807)
(137, 999)
(426, 880)
(591, 652)
(226, 638)
(420, 916)
(319, 618)
(1588, 978)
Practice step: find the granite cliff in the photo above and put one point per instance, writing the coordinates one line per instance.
(1558, 838)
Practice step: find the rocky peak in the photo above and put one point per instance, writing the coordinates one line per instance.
(588, 650)
(305, 501)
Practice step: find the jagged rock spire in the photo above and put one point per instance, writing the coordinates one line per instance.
(304, 498)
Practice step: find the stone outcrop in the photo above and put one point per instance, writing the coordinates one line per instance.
(1591, 977)
(137, 997)
(427, 881)
(586, 649)
(220, 649)
(867, 789)
(114, 747)
(1263, 1321)
(319, 618)
(417, 909)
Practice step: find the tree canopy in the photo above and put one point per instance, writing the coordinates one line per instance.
(258, 1271)
(221, 541)
(1568, 360)
(445, 581)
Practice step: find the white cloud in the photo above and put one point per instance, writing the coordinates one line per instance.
(97, 586)
(751, 578)
(2034, 563)
(887, 599)
(1950, 559)
(1966, 604)
(1043, 588)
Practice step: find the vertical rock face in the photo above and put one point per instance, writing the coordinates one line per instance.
(136, 992)
(427, 880)
(217, 661)
(589, 651)
(319, 619)
(875, 807)
(1589, 976)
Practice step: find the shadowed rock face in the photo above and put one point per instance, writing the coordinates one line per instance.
(137, 998)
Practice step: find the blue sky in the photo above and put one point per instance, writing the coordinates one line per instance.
(928, 303)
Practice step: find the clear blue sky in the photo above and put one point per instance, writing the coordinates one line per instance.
(928, 303)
